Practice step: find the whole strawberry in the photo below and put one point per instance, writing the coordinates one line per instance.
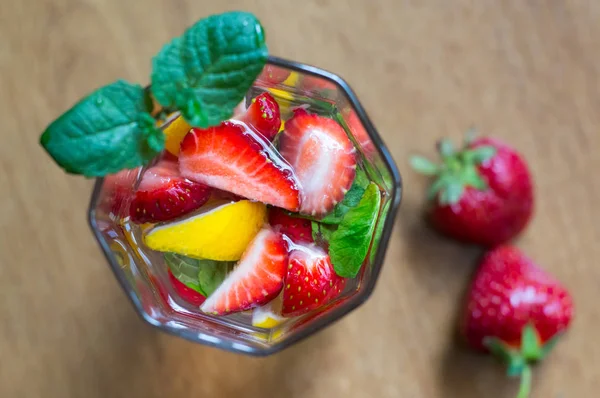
(516, 311)
(482, 193)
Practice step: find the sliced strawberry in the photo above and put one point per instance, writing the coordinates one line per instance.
(235, 159)
(186, 293)
(219, 194)
(274, 74)
(297, 229)
(337, 289)
(163, 194)
(257, 279)
(322, 157)
(263, 115)
(310, 281)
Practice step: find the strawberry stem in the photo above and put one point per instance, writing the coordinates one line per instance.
(525, 387)
(458, 170)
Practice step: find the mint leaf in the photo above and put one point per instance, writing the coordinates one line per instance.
(379, 230)
(350, 200)
(350, 243)
(321, 233)
(185, 269)
(212, 273)
(107, 131)
(206, 72)
(203, 276)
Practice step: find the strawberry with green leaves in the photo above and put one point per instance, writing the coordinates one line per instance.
(481, 193)
(516, 311)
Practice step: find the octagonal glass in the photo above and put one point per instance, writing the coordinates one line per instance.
(142, 273)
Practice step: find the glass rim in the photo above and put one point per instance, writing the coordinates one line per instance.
(330, 316)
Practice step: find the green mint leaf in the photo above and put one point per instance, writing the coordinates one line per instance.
(316, 232)
(203, 276)
(212, 273)
(424, 165)
(185, 269)
(350, 200)
(206, 72)
(105, 132)
(349, 244)
(321, 233)
(379, 230)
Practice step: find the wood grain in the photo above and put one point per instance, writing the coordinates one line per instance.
(527, 72)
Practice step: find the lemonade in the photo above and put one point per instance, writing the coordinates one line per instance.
(240, 216)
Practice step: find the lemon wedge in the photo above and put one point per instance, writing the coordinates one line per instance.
(174, 133)
(269, 315)
(220, 231)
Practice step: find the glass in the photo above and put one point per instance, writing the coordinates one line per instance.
(143, 275)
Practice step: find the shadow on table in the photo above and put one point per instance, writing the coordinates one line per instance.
(135, 360)
(443, 266)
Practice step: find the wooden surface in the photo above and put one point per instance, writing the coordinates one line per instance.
(527, 72)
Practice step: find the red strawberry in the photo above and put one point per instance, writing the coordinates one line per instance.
(256, 280)
(263, 115)
(117, 191)
(274, 74)
(186, 293)
(483, 193)
(295, 228)
(163, 194)
(234, 159)
(321, 312)
(515, 310)
(322, 157)
(310, 281)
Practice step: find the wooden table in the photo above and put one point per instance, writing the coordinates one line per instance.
(527, 72)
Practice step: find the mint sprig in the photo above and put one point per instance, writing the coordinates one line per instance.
(203, 276)
(321, 233)
(206, 72)
(350, 200)
(349, 244)
(379, 230)
(109, 130)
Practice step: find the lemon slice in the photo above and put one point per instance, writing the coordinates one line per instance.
(269, 315)
(220, 231)
(174, 133)
(292, 79)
